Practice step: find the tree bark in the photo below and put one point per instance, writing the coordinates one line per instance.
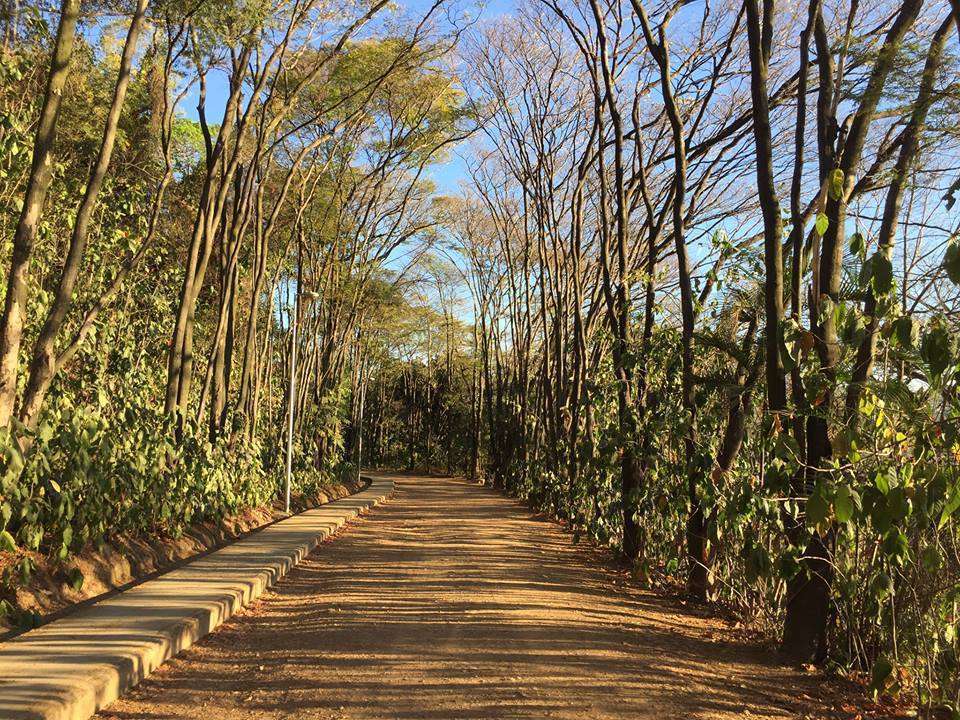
(809, 592)
(43, 363)
(38, 183)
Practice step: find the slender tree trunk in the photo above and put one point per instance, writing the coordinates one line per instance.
(206, 225)
(866, 352)
(809, 592)
(38, 183)
(43, 363)
(760, 33)
(698, 551)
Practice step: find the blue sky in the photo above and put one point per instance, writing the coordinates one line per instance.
(447, 175)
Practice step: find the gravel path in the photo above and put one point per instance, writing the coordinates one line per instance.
(452, 601)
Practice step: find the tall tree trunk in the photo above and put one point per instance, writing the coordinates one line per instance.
(809, 592)
(43, 363)
(866, 352)
(206, 225)
(698, 550)
(760, 34)
(38, 183)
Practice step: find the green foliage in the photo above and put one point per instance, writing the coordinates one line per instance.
(937, 348)
(951, 261)
(92, 478)
(187, 140)
(821, 224)
(877, 273)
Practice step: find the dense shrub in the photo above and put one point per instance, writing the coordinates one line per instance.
(91, 478)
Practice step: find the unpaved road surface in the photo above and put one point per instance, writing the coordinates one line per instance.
(452, 601)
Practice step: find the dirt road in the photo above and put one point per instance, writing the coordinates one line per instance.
(452, 601)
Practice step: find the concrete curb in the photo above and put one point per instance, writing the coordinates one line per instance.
(72, 667)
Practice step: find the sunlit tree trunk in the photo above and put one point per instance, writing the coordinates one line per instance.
(38, 183)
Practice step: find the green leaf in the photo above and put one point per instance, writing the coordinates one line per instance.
(26, 568)
(951, 261)
(843, 504)
(836, 184)
(786, 354)
(821, 224)
(881, 273)
(880, 515)
(896, 546)
(899, 504)
(882, 586)
(936, 349)
(817, 507)
(787, 566)
(858, 244)
(866, 273)
(76, 579)
(758, 565)
(881, 671)
(906, 330)
(7, 543)
(882, 482)
(45, 432)
(931, 558)
(853, 329)
(950, 507)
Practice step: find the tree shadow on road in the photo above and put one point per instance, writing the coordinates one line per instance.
(454, 602)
